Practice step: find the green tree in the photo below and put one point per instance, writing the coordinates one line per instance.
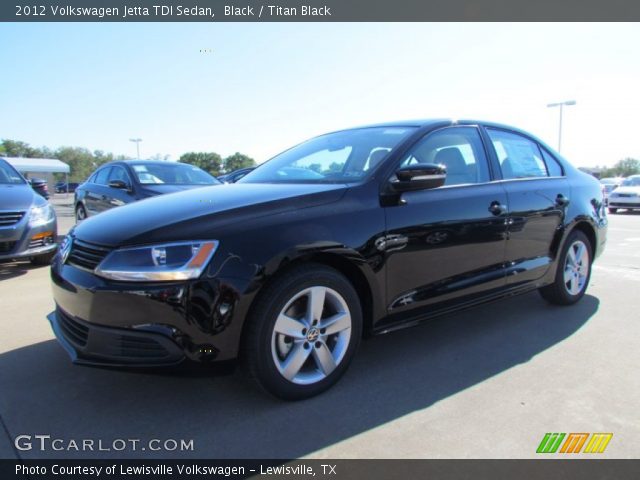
(627, 166)
(208, 161)
(238, 161)
(15, 148)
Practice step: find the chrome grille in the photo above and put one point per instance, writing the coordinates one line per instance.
(10, 218)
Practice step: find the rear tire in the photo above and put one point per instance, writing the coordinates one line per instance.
(574, 271)
(613, 210)
(303, 332)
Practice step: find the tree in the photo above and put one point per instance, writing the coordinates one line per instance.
(627, 166)
(15, 148)
(238, 161)
(208, 161)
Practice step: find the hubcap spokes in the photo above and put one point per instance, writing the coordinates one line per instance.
(576, 267)
(311, 335)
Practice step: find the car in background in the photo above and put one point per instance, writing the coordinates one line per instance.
(353, 233)
(28, 225)
(117, 183)
(609, 184)
(233, 177)
(626, 196)
(63, 187)
(40, 186)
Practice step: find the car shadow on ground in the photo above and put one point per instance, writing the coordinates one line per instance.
(227, 417)
(16, 268)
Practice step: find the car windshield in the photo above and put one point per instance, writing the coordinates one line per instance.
(172, 173)
(8, 176)
(341, 157)
(631, 182)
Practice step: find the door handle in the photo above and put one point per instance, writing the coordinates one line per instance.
(561, 200)
(497, 208)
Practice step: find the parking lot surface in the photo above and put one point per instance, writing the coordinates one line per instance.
(485, 383)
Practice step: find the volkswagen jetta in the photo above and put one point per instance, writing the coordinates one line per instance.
(353, 233)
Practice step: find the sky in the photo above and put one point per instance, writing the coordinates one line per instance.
(259, 88)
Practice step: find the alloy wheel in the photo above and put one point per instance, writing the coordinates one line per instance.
(576, 267)
(311, 335)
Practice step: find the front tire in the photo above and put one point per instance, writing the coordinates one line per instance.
(303, 332)
(613, 210)
(574, 271)
(81, 213)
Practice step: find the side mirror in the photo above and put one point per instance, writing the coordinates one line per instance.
(119, 184)
(419, 177)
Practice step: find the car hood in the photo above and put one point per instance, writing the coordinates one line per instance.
(160, 189)
(16, 197)
(635, 190)
(197, 213)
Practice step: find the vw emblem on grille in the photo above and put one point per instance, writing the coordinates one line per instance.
(65, 249)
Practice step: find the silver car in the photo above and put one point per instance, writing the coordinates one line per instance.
(626, 196)
(28, 225)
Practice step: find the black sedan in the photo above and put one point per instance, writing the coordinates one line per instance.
(117, 183)
(63, 187)
(233, 177)
(352, 233)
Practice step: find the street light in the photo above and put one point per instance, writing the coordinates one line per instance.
(137, 142)
(561, 104)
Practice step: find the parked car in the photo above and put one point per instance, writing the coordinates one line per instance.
(353, 233)
(609, 184)
(28, 226)
(626, 196)
(117, 183)
(233, 177)
(63, 187)
(40, 186)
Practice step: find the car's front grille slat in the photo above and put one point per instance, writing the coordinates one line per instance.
(86, 255)
(74, 331)
(10, 218)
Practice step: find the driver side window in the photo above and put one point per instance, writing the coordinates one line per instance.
(459, 149)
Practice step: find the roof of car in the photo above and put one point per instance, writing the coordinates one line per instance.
(426, 122)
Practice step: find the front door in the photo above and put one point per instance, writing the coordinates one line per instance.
(447, 242)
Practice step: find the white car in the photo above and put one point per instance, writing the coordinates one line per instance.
(626, 195)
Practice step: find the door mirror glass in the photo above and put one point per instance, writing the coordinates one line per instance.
(421, 176)
(119, 184)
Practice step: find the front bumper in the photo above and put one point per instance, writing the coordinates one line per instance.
(624, 202)
(102, 322)
(115, 347)
(23, 241)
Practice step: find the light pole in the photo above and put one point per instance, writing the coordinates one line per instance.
(137, 142)
(561, 104)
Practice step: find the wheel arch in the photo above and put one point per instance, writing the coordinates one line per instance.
(364, 283)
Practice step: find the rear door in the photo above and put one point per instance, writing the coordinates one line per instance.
(448, 242)
(538, 195)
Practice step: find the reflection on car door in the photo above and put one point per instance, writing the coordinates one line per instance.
(463, 221)
(538, 195)
(95, 190)
(116, 197)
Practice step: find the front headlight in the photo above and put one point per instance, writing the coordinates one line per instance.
(40, 215)
(158, 263)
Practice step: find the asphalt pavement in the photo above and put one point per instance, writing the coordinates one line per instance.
(485, 383)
